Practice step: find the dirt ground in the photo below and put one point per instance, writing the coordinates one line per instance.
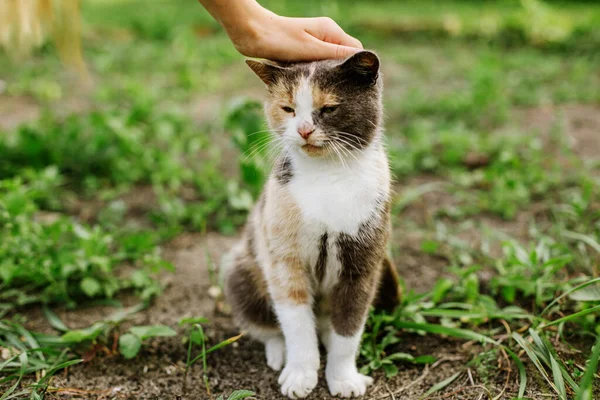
(157, 373)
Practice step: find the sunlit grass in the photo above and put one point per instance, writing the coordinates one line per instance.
(452, 107)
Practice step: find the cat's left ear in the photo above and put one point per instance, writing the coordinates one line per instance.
(266, 71)
(364, 65)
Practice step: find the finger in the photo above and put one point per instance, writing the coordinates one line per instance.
(351, 41)
(323, 50)
(328, 30)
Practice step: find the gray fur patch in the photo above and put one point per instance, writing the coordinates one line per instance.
(322, 260)
(284, 171)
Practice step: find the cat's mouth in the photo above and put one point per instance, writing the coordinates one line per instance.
(311, 149)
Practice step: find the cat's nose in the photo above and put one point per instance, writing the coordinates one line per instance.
(305, 129)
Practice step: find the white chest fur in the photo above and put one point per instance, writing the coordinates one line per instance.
(340, 197)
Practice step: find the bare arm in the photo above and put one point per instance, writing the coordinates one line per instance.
(258, 32)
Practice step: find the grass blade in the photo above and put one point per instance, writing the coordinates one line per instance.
(534, 359)
(10, 390)
(240, 394)
(54, 320)
(217, 347)
(24, 361)
(583, 238)
(462, 314)
(585, 386)
(522, 372)
(442, 330)
(551, 357)
(572, 316)
(558, 378)
(440, 385)
(576, 288)
(59, 367)
(33, 343)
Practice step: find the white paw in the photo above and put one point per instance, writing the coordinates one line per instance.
(275, 350)
(297, 381)
(348, 384)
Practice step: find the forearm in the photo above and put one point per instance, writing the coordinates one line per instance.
(233, 15)
(258, 32)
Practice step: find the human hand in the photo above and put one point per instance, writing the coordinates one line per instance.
(258, 32)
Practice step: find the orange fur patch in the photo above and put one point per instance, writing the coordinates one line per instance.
(283, 218)
(323, 98)
(280, 95)
(298, 295)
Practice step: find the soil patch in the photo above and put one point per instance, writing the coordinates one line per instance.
(14, 110)
(580, 122)
(158, 372)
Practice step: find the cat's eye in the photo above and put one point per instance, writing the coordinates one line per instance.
(328, 109)
(287, 109)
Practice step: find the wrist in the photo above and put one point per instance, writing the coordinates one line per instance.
(244, 20)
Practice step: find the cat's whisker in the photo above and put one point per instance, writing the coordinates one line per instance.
(358, 138)
(372, 123)
(348, 152)
(266, 131)
(266, 140)
(263, 139)
(275, 151)
(350, 146)
(353, 145)
(280, 144)
(284, 151)
(337, 150)
(348, 143)
(257, 149)
(340, 140)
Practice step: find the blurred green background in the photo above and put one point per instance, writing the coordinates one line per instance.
(492, 124)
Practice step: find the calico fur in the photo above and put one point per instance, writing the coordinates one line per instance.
(313, 254)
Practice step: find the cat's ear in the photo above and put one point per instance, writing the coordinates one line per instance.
(363, 65)
(266, 71)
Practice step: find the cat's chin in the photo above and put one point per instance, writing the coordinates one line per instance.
(313, 151)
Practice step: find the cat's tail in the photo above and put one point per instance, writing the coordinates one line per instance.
(389, 294)
(227, 263)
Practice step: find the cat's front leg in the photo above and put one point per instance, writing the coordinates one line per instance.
(293, 306)
(350, 301)
(347, 323)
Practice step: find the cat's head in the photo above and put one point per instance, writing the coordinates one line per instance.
(329, 107)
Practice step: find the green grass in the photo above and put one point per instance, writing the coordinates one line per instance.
(58, 260)
(455, 95)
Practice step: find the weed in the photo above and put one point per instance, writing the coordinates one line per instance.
(58, 260)
(197, 337)
(238, 395)
(27, 353)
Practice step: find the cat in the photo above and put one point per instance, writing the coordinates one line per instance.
(313, 253)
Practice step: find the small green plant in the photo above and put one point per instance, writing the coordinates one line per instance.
(49, 258)
(253, 139)
(533, 273)
(238, 395)
(196, 337)
(28, 353)
(379, 338)
(131, 342)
